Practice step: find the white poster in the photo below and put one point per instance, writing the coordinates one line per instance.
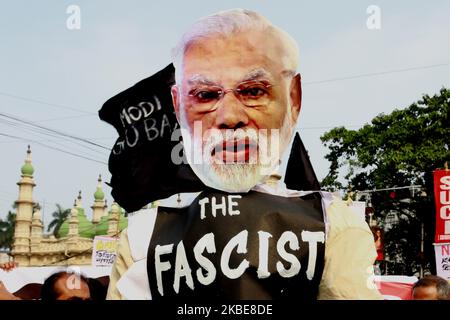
(442, 251)
(359, 208)
(104, 251)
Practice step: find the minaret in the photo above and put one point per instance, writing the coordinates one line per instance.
(21, 246)
(73, 221)
(36, 237)
(36, 227)
(78, 202)
(113, 220)
(98, 209)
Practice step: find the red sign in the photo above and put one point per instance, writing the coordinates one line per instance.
(395, 287)
(442, 200)
(395, 290)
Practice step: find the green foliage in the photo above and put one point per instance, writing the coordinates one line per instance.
(59, 216)
(7, 231)
(398, 149)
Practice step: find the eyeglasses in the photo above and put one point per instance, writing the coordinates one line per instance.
(249, 93)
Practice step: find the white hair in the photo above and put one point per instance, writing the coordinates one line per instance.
(227, 23)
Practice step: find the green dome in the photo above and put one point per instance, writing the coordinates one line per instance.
(99, 195)
(102, 225)
(101, 228)
(123, 221)
(85, 227)
(27, 169)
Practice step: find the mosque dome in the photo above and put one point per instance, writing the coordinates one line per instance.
(27, 169)
(99, 195)
(102, 225)
(86, 228)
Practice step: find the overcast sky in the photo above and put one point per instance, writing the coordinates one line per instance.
(121, 42)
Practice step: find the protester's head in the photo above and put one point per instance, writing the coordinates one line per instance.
(235, 75)
(65, 286)
(431, 288)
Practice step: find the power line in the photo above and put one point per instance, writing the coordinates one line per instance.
(54, 148)
(64, 118)
(40, 131)
(52, 130)
(365, 75)
(359, 193)
(6, 94)
(388, 189)
(373, 74)
(15, 197)
(54, 140)
(327, 127)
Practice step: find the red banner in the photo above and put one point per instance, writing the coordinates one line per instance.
(395, 290)
(442, 200)
(395, 287)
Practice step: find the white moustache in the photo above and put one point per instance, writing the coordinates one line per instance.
(230, 140)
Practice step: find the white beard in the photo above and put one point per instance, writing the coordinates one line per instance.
(235, 177)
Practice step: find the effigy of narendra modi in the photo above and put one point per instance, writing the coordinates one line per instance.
(240, 233)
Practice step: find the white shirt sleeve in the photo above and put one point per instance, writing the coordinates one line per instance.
(133, 284)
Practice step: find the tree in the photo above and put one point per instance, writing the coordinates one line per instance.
(399, 149)
(59, 216)
(7, 230)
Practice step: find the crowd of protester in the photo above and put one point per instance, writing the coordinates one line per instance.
(61, 285)
(67, 285)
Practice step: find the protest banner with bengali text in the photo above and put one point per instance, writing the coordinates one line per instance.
(442, 252)
(104, 251)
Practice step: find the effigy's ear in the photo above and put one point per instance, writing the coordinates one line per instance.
(296, 97)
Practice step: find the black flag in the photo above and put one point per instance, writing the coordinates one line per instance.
(300, 174)
(140, 161)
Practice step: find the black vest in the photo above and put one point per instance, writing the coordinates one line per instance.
(238, 246)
